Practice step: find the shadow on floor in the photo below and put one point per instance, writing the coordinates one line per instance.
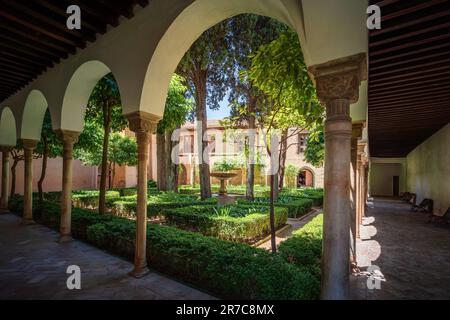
(407, 256)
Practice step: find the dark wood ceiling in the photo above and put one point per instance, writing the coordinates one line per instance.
(34, 36)
(409, 75)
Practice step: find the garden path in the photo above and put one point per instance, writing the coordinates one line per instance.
(33, 266)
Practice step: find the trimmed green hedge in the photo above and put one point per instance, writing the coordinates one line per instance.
(316, 195)
(296, 207)
(88, 199)
(228, 270)
(304, 248)
(156, 204)
(234, 223)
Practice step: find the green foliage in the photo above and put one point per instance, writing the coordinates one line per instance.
(278, 69)
(228, 270)
(315, 146)
(53, 142)
(122, 150)
(316, 195)
(106, 95)
(177, 106)
(304, 248)
(156, 203)
(234, 223)
(296, 206)
(226, 165)
(291, 171)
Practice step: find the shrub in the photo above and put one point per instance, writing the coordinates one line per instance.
(316, 195)
(127, 206)
(229, 270)
(234, 223)
(296, 206)
(304, 248)
(88, 199)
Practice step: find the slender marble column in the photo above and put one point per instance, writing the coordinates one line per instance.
(5, 178)
(69, 138)
(337, 84)
(28, 147)
(143, 124)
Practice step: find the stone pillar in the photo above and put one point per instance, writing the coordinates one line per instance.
(5, 178)
(354, 179)
(143, 124)
(359, 186)
(337, 84)
(28, 147)
(69, 138)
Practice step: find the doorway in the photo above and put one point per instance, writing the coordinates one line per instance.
(396, 186)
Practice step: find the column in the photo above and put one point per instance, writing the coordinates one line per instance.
(354, 179)
(28, 147)
(337, 84)
(143, 124)
(5, 178)
(69, 138)
(359, 185)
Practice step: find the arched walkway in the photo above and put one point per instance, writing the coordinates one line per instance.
(306, 178)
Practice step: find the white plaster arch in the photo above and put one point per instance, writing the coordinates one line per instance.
(8, 134)
(77, 93)
(33, 115)
(189, 25)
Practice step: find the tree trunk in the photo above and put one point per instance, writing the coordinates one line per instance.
(283, 154)
(249, 191)
(43, 170)
(13, 177)
(272, 213)
(160, 166)
(170, 179)
(105, 167)
(205, 182)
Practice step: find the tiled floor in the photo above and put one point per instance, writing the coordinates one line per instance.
(33, 266)
(412, 254)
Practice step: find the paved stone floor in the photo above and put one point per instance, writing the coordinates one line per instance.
(33, 266)
(412, 254)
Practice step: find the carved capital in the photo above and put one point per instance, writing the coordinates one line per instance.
(67, 136)
(29, 144)
(340, 78)
(142, 121)
(357, 129)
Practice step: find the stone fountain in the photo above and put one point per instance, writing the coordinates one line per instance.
(223, 177)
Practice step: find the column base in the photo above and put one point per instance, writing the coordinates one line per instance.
(27, 222)
(139, 272)
(65, 238)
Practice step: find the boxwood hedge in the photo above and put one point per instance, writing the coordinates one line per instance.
(296, 207)
(228, 270)
(234, 223)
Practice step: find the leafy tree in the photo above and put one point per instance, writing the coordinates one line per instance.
(207, 68)
(291, 171)
(17, 155)
(177, 108)
(315, 146)
(104, 108)
(289, 97)
(248, 33)
(122, 152)
(49, 146)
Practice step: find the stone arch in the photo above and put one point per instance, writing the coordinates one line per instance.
(77, 93)
(309, 176)
(8, 133)
(33, 115)
(188, 26)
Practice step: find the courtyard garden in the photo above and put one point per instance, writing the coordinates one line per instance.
(201, 242)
